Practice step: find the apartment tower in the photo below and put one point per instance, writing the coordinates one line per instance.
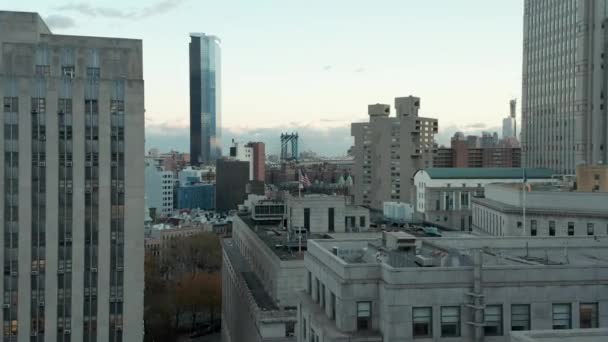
(564, 92)
(72, 178)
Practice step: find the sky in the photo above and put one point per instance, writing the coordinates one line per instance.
(314, 66)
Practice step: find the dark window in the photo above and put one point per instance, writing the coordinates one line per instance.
(570, 228)
(304, 328)
(422, 322)
(437, 205)
(551, 228)
(318, 287)
(493, 319)
(330, 219)
(533, 228)
(309, 283)
(520, 317)
(322, 296)
(332, 299)
(290, 329)
(562, 316)
(307, 219)
(362, 221)
(590, 229)
(450, 321)
(519, 224)
(364, 315)
(588, 313)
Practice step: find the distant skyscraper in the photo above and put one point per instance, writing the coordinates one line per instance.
(564, 89)
(72, 167)
(205, 99)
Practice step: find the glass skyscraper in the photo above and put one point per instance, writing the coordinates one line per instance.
(205, 99)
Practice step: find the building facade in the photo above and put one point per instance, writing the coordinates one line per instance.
(402, 288)
(205, 99)
(443, 196)
(389, 150)
(592, 178)
(196, 196)
(159, 188)
(255, 154)
(73, 142)
(550, 211)
(232, 177)
(473, 151)
(263, 262)
(564, 94)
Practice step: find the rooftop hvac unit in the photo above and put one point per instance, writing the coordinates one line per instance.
(425, 261)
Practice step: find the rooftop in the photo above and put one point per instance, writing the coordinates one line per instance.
(488, 173)
(572, 335)
(458, 251)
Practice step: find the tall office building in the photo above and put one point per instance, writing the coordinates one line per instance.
(564, 121)
(389, 150)
(71, 174)
(205, 99)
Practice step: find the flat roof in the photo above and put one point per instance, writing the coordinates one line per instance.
(488, 173)
(496, 251)
(570, 335)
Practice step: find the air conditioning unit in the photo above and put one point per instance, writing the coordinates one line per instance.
(87, 190)
(68, 163)
(34, 272)
(68, 239)
(112, 299)
(94, 269)
(114, 164)
(119, 299)
(14, 273)
(88, 163)
(120, 268)
(60, 271)
(68, 191)
(34, 333)
(42, 137)
(43, 164)
(119, 327)
(67, 331)
(6, 305)
(41, 303)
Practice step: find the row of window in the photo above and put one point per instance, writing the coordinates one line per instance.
(451, 318)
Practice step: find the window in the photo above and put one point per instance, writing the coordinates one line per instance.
(551, 228)
(364, 315)
(450, 321)
(493, 319)
(520, 317)
(304, 329)
(323, 296)
(533, 228)
(362, 221)
(570, 228)
(422, 322)
(588, 313)
(519, 224)
(590, 229)
(332, 299)
(561, 316)
(309, 283)
(307, 219)
(290, 329)
(318, 287)
(330, 219)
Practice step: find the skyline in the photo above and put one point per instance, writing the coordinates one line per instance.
(291, 66)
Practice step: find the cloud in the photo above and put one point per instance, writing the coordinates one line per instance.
(477, 125)
(57, 21)
(327, 68)
(109, 12)
(326, 141)
(360, 70)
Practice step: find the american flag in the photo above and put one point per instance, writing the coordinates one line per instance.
(304, 181)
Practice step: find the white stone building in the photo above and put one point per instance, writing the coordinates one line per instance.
(564, 84)
(159, 188)
(263, 263)
(402, 288)
(444, 195)
(73, 185)
(550, 211)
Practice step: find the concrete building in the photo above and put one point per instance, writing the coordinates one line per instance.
(508, 127)
(564, 95)
(550, 211)
(73, 185)
(573, 335)
(205, 99)
(443, 196)
(231, 183)
(253, 153)
(402, 288)
(388, 150)
(193, 175)
(263, 262)
(196, 196)
(592, 178)
(159, 189)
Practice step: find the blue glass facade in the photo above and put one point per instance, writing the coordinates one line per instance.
(205, 99)
(196, 196)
